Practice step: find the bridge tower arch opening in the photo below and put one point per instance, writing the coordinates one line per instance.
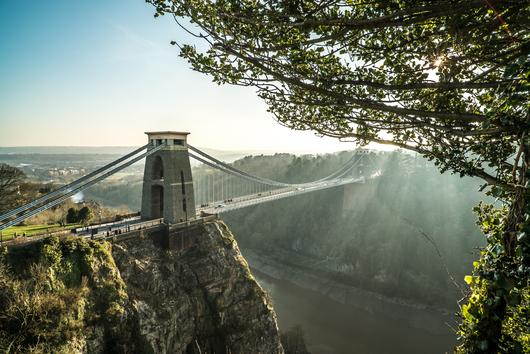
(157, 201)
(158, 168)
(168, 185)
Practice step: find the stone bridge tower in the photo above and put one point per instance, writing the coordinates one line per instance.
(168, 185)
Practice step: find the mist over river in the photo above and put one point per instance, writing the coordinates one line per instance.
(334, 328)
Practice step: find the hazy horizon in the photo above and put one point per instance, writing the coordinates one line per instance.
(84, 149)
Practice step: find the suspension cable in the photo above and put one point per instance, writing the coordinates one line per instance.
(66, 187)
(263, 180)
(231, 171)
(78, 189)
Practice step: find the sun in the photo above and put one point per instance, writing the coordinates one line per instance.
(439, 61)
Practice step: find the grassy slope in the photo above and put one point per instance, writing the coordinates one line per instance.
(31, 230)
(55, 291)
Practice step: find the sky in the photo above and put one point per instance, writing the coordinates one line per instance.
(102, 72)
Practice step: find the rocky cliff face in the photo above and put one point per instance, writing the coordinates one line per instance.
(131, 296)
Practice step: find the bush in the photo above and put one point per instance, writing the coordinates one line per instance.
(72, 216)
(53, 290)
(84, 215)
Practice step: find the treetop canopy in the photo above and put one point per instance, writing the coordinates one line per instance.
(448, 79)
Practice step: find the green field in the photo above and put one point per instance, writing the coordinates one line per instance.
(31, 230)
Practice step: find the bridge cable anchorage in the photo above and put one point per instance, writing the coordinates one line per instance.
(69, 186)
(78, 189)
(227, 168)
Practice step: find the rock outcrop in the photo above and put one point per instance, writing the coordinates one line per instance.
(132, 296)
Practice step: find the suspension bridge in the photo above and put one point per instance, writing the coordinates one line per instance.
(171, 196)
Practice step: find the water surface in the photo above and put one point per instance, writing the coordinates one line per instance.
(333, 328)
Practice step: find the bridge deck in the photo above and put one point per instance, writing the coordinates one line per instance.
(223, 206)
(118, 231)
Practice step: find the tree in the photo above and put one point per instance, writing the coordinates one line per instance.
(84, 215)
(10, 180)
(72, 216)
(445, 78)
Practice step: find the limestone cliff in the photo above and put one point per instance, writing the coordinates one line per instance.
(75, 295)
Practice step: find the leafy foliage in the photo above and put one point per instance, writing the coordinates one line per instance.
(10, 180)
(81, 216)
(448, 79)
(53, 290)
(443, 78)
(496, 318)
(84, 215)
(72, 215)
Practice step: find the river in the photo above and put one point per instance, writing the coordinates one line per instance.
(334, 328)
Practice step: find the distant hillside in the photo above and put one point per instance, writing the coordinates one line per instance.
(225, 155)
